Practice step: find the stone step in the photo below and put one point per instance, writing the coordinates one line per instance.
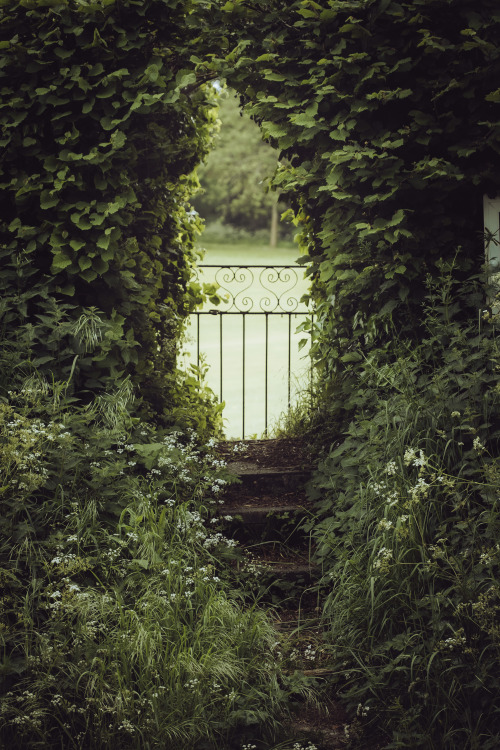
(290, 570)
(259, 514)
(298, 621)
(324, 726)
(313, 672)
(324, 738)
(281, 565)
(254, 475)
(251, 469)
(249, 522)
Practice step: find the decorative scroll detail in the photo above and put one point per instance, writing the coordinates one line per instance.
(257, 289)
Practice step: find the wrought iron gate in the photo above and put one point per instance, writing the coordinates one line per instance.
(255, 290)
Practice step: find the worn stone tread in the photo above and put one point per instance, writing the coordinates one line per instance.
(251, 511)
(250, 469)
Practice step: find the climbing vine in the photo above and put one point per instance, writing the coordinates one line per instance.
(103, 120)
(386, 117)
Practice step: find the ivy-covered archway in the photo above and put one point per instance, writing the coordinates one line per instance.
(386, 117)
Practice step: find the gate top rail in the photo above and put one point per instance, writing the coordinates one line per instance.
(275, 289)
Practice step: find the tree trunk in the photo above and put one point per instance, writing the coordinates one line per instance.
(273, 238)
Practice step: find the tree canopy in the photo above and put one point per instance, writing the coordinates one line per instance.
(236, 174)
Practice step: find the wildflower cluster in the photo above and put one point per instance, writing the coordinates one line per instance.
(23, 449)
(131, 626)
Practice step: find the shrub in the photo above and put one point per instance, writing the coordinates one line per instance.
(119, 622)
(410, 529)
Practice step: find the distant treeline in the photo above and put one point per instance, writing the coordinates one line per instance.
(235, 176)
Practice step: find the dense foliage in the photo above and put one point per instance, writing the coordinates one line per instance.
(119, 622)
(386, 118)
(410, 529)
(386, 115)
(102, 122)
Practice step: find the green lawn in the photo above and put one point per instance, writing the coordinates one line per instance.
(239, 253)
(255, 252)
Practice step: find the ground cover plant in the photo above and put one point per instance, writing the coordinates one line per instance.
(119, 622)
(409, 536)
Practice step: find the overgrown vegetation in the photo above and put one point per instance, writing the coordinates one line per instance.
(119, 619)
(385, 114)
(386, 118)
(409, 501)
(119, 622)
(102, 123)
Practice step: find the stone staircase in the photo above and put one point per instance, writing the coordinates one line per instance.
(264, 512)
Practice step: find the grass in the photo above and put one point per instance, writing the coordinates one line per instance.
(253, 252)
(120, 622)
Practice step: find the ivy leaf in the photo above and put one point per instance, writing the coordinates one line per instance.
(47, 200)
(81, 220)
(100, 265)
(88, 275)
(184, 79)
(103, 241)
(84, 262)
(60, 261)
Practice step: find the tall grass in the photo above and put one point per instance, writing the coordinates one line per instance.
(120, 625)
(409, 537)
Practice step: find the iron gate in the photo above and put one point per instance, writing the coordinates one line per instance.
(256, 290)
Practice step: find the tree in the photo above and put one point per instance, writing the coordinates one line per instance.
(235, 175)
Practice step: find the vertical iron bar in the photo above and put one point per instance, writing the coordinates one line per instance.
(220, 348)
(198, 340)
(266, 375)
(243, 419)
(289, 354)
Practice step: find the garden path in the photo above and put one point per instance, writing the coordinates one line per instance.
(267, 508)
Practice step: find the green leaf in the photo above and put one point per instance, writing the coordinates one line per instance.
(81, 221)
(271, 130)
(68, 290)
(47, 200)
(183, 79)
(118, 139)
(351, 357)
(103, 241)
(63, 53)
(152, 72)
(88, 275)
(60, 261)
(84, 262)
(99, 265)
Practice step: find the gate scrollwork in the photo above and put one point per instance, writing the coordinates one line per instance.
(257, 289)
